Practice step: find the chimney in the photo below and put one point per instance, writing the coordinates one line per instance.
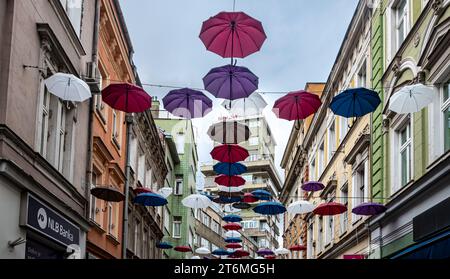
(155, 107)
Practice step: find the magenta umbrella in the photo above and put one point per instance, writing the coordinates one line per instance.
(126, 97)
(232, 34)
(297, 105)
(187, 103)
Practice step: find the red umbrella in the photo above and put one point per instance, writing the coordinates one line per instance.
(330, 209)
(127, 97)
(142, 190)
(230, 181)
(249, 198)
(241, 253)
(270, 257)
(229, 153)
(232, 227)
(183, 249)
(232, 34)
(297, 105)
(297, 248)
(233, 246)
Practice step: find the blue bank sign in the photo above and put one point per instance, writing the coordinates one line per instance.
(45, 220)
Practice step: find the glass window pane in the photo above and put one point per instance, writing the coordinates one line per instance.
(404, 166)
(447, 128)
(446, 91)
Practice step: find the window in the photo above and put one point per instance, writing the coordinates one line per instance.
(250, 224)
(401, 22)
(320, 234)
(180, 143)
(343, 128)
(45, 108)
(110, 219)
(74, 9)
(137, 237)
(93, 200)
(253, 141)
(360, 187)
(330, 229)
(404, 137)
(166, 219)
(343, 218)
(206, 220)
(191, 238)
(115, 127)
(321, 160)
(446, 114)
(362, 76)
(178, 186)
(177, 226)
(215, 227)
(254, 123)
(331, 141)
(312, 169)
(141, 169)
(204, 243)
(145, 244)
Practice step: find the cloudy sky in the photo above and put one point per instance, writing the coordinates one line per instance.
(304, 37)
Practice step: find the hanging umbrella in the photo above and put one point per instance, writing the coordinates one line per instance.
(229, 132)
(231, 82)
(107, 193)
(226, 200)
(228, 208)
(241, 205)
(232, 218)
(355, 102)
(220, 252)
(210, 197)
(127, 97)
(195, 258)
(241, 253)
(281, 251)
(313, 186)
(203, 251)
(229, 153)
(259, 258)
(411, 98)
(68, 87)
(141, 190)
(232, 227)
(297, 105)
(150, 199)
(300, 207)
(270, 208)
(233, 246)
(233, 240)
(227, 194)
(265, 252)
(253, 105)
(230, 168)
(270, 257)
(230, 181)
(230, 189)
(196, 201)
(165, 192)
(164, 245)
(330, 209)
(183, 249)
(262, 195)
(232, 34)
(297, 248)
(249, 198)
(369, 209)
(233, 234)
(187, 103)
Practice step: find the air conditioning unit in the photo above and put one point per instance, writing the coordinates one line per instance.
(93, 77)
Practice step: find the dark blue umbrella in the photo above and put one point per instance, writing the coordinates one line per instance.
(355, 102)
(164, 245)
(220, 252)
(230, 169)
(150, 199)
(270, 208)
(233, 240)
(262, 195)
(232, 218)
(226, 200)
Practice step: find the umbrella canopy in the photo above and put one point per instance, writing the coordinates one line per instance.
(411, 98)
(195, 258)
(233, 246)
(355, 102)
(165, 192)
(231, 189)
(300, 207)
(150, 199)
(313, 186)
(230, 181)
(68, 87)
(202, 251)
(228, 208)
(241, 253)
(369, 209)
(226, 200)
(233, 240)
(127, 97)
(253, 105)
(141, 190)
(232, 34)
(196, 201)
(229, 132)
(210, 197)
(259, 258)
(297, 248)
(297, 105)
(249, 198)
(233, 234)
(232, 227)
(108, 193)
(330, 209)
(229, 153)
(187, 103)
(227, 194)
(232, 218)
(231, 82)
(183, 249)
(164, 245)
(270, 208)
(281, 251)
(262, 195)
(230, 168)
(241, 205)
(220, 252)
(270, 257)
(265, 252)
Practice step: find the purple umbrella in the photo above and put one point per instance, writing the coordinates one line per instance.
(231, 82)
(313, 186)
(369, 209)
(187, 103)
(265, 252)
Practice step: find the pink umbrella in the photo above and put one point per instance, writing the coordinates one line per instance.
(232, 34)
(297, 105)
(127, 97)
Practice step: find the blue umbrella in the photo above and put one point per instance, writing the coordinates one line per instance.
(164, 245)
(232, 218)
(233, 240)
(226, 200)
(262, 195)
(270, 208)
(230, 169)
(150, 199)
(220, 252)
(355, 102)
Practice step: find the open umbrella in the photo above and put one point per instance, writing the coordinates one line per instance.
(369, 209)
(281, 251)
(220, 252)
(330, 209)
(265, 252)
(230, 194)
(411, 98)
(355, 102)
(232, 34)
(68, 87)
(297, 248)
(253, 105)
(126, 97)
(165, 192)
(297, 105)
(270, 257)
(231, 82)
(203, 251)
(241, 205)
(270, 208)
(195, 258)
(226, 199)
(150, 199)
(196, 201)
(187, 103)
(233, 234)
(230, 168)
(230, 189)
(230, 181)
(233, 240)
(241, 253)
(313, 186)
(249, 198)
(233, 246)
(107, 193)
(229, 132)
(210, 197)
(164, 245)
(300, 207)
(141, 190)
(262, 195)
(228, 208)
(183, 249)
(232, 218)
(229, 153)
(232, 227)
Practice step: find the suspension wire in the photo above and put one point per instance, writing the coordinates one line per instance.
(234, 5)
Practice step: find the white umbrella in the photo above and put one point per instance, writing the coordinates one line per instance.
(228, 208)
(229, 132)
(196, 201)
(165, 192)
(253, 105)
(202, 251)
(68, 87)
(282, 251)
(300, 207)
(411, 98)
(259, 258)
(233, 234)
(231, 189)
(195, 258)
